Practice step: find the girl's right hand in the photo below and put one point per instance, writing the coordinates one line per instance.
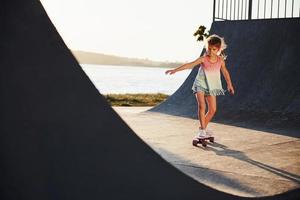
(230, 89)
(171, 71)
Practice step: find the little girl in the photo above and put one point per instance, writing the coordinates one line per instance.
(207, 84)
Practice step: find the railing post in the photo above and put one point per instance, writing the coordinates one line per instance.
(214, 10)
(250, 10)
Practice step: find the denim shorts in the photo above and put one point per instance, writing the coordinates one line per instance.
(196, 89)
(200, 84)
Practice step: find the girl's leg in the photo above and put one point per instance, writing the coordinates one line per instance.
(212, 108)
(201, 109)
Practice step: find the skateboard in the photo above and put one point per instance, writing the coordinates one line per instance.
(203, 140)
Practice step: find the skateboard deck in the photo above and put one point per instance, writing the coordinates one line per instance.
(203, 140)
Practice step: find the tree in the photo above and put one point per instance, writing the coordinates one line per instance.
(201, 34)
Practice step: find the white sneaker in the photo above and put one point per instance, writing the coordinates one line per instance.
(209, 132)
(202, 133)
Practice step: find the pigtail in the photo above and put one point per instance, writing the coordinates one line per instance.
(223, 55)
(222, 48)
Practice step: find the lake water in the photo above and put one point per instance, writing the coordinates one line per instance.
(110, 79)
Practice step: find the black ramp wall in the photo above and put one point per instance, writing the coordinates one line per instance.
(59, 138)
(263, 60)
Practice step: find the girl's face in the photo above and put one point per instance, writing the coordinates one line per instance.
(213, 50)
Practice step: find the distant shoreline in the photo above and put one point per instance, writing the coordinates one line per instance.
(126, 65)
(91, 58)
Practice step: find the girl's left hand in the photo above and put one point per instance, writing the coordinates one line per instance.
(230, 89)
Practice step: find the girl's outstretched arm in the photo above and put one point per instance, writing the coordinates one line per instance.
(227, 77)
(185, 66)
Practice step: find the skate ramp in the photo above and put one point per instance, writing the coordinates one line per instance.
(264, 65)
(59, 138)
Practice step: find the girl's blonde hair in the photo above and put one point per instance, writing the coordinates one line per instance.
(218, 41)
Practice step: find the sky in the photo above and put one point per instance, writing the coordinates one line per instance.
(160, 30)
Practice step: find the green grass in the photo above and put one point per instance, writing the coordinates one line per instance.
(135, 99)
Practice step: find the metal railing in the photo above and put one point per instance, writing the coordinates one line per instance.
(255, 9)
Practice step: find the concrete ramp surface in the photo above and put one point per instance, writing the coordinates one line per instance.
(263, 60)
(59, 138)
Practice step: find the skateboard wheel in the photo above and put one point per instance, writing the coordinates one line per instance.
(212, 140)
(195, 142)
(203, 142)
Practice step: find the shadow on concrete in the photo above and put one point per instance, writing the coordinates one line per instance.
(222, 150)
(204, 174)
